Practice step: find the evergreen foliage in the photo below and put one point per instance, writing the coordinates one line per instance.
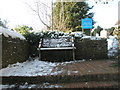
(117, 32)
(68, 15)
(111, 30)
(24, 30)
(35, 37)
(97, 30)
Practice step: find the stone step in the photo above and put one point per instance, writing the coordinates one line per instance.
(60, 78)
(53, 86)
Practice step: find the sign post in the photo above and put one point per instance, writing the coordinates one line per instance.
(87, 24)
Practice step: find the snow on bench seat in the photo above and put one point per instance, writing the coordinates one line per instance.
(58, 48)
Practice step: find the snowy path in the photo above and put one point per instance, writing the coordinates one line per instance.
(28, 68)
(33, 68)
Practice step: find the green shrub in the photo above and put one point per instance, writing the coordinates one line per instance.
(23, 29)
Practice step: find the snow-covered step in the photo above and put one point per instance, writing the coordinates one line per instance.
(43, 86)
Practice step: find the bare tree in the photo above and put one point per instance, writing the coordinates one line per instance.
(41, 10)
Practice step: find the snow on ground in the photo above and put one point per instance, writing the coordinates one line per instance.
(29, 68)
(112, 46)
(30, 86)
(33, 68)
(8, 32)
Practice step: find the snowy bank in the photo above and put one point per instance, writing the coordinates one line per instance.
(13, 34)
(112, 46)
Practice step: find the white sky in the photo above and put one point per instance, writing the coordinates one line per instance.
(18, 13)
(106, 15)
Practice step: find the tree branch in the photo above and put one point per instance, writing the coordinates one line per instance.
(37, 11)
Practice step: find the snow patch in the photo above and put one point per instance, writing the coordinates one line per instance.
(112, 46)
(8, 32)
(70, 62)
(91, 37)
(30, 86)
(78, 34)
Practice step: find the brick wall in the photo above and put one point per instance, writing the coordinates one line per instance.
(14, 50)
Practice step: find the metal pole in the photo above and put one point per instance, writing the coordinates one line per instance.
(40, 44)
(82, 30)
(73, 53)
(40, 54)
(73, 48)
(90, 32)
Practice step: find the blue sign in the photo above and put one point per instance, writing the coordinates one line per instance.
(87, 23)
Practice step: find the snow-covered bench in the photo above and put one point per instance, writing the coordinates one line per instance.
(56, 44)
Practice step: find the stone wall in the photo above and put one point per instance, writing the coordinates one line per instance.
(90, 49)
(14, 50)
